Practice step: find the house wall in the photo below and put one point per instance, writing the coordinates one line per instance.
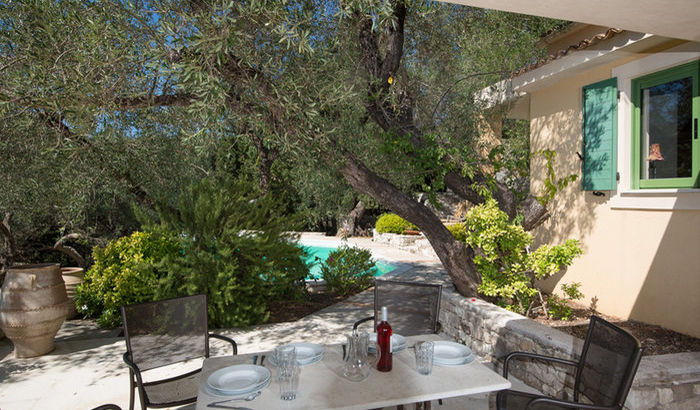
(641, 264)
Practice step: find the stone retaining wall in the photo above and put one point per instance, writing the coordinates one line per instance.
(662, 382)
(417, 244)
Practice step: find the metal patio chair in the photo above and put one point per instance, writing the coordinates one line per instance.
(603, 377)
(413, 307)
(163, 333)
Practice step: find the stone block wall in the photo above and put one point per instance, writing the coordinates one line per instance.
(417, 244)
(662, 382)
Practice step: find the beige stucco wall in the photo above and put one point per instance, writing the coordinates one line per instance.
(639, 264)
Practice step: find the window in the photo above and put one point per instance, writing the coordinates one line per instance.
(665, 145)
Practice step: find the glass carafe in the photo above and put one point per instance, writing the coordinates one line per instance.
(358, 363)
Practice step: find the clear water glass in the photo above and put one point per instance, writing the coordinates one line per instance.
(284, 356)
(287, 371)
(424, 357)
(288, 378)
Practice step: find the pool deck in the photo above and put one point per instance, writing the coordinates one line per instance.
(86, 368)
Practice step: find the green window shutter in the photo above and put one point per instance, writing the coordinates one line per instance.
(600, 136)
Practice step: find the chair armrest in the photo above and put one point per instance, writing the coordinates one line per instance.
(134, 368)
(534, 356)
(361, 321)
(566, 404)
(226, 339)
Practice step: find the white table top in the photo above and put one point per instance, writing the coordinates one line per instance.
(322, 385)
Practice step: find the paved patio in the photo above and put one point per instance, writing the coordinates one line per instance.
(86, 369)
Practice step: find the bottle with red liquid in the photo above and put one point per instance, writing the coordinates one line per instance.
(384, 343)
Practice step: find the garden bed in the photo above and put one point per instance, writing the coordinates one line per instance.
(655, 340)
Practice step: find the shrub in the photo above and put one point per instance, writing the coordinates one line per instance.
(234, 251)
(348, 270)
(557, 307)
(508, 269)
(459, 231)
(392, 223)
(123, 273)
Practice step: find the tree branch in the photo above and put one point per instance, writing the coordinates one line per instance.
(146, 101)
(454, 255)
(9, 240)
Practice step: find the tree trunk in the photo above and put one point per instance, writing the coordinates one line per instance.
(266, 158)
(455, 257)
(348, 225)
(9, 242)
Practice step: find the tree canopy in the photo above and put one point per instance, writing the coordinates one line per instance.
(109, 102)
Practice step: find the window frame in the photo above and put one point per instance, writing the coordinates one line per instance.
(690, 69)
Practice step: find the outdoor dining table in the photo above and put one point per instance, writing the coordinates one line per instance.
(322, 385)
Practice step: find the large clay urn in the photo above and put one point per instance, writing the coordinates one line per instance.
(34, 305)
(73, 277)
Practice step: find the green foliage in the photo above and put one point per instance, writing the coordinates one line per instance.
(234, 250)
(552, 184)
(459, 231)
(348, 270)
(557, 307)
(124, 272)
(508, 269)
(392, 223)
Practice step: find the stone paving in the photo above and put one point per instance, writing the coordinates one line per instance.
(86, 368)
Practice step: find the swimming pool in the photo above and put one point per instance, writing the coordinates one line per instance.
(322, 252)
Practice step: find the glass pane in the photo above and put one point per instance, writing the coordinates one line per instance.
(666, 114)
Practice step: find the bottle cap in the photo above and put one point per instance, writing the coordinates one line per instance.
(385, 315)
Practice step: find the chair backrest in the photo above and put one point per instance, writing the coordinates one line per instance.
(413, 307)
(166, 331)
(608, 364)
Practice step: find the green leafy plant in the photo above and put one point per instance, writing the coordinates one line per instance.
(124, 272)
(348, 270)
(458, 230)
(557, 307)
(552, 184)
(392, 223)
(234, 250)
(508, 268)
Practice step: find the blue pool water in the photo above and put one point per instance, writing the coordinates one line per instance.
(322, 254)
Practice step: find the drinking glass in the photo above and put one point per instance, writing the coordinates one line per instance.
(288, 378)
(424, 357)
(284, 356)
(287, 371)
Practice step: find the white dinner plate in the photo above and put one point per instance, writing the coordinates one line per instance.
(307, 353)
(466, 360)
(451, 353)
(398, 343)
(238, 396)
(238, 379)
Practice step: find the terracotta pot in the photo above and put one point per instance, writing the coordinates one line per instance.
(411, 232)
(72, 277)
(33, 307)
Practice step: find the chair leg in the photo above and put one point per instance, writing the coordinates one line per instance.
(132, 389)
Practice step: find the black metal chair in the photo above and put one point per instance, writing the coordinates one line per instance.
(413, 307)
(107, 407)
(163, 333)
(603, 377)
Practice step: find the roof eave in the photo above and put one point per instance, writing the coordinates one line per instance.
(620, 46)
